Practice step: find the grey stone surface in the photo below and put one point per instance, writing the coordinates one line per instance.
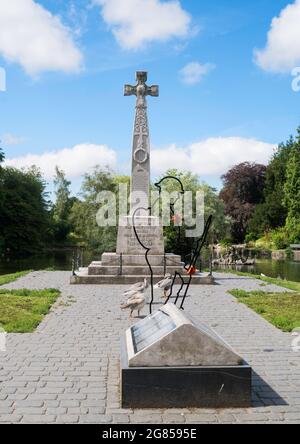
(140, 176)
(77, 347)
(150, 233)
(83, 278)
(158, 260)
(179, 342)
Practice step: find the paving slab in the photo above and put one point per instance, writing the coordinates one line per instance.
(67, 371)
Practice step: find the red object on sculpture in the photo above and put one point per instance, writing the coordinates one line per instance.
(191, 270)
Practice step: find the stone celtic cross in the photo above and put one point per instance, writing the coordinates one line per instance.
(140, 177)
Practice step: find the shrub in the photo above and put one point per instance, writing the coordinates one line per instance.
(280, 238)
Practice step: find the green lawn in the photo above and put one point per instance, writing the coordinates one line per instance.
(21, 311)
(281, 309)
(7, 278)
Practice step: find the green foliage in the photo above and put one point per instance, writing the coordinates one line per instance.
(280, 238)
(62, 207)
(84, 211)
(21, 311)
(276, 219)
(24, 215)
(213, 206)
(8, 278)
(281, 309)
(241, 193)
(292, 185)
(2, 157)
(292, 193)
(62, 192)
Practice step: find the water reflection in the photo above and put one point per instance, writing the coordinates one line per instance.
(56, 260)
(284, 269)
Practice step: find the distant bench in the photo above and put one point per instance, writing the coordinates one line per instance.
(295, 246)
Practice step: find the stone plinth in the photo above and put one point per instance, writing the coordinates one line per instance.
(83, 278)
(149, 230)
(135, 265)
(168, 361)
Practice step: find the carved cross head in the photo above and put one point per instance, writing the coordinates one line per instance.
(141, 89)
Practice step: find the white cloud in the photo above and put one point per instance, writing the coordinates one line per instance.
(11, 139)
(74, 161)
(211, 157)
(282, 52)
(36, 39)
(136, 22)
(194, 72)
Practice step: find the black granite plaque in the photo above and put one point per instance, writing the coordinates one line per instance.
(151, 329)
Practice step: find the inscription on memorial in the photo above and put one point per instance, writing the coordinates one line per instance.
(151, 329)
(150, 235)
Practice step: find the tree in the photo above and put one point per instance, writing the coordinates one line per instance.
(272, 213)
(84, 211)
(1, 198)
(242, 192)
(2, 157)
(213, 206)
(62, 192)
(62, 207)
(292, 192)
(24, 215)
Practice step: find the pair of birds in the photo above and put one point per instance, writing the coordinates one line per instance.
(136, 299)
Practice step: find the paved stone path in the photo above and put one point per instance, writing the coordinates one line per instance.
(68, 370)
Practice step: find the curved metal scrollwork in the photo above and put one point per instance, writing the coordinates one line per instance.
(147, 251)
(158, 185)
(189, 267)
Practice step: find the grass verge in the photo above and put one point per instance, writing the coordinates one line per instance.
(8, 278)
(21, 311)
(280, 309)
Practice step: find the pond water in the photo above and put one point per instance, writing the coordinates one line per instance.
(62, 260)
(56, 260)
(284, 269)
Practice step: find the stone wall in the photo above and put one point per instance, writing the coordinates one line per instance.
(279, 255)
(296, 256)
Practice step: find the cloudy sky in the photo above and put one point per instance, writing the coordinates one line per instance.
(224, 68)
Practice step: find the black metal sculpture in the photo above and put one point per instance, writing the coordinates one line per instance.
(147, 251)
(158, 185)
(191, 267)
(146, 248)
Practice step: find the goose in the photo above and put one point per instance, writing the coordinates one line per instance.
(140, 287)
(165, 284)
(135, 303)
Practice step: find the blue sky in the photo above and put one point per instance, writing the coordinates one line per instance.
(219, 104)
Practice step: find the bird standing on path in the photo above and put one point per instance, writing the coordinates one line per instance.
(165, 284)
(135, 303)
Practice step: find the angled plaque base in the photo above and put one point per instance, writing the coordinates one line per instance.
(184, 387)
(170, 361)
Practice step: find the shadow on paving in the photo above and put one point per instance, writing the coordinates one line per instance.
(263, 395)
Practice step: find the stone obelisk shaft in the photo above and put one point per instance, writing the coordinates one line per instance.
(140, 175)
